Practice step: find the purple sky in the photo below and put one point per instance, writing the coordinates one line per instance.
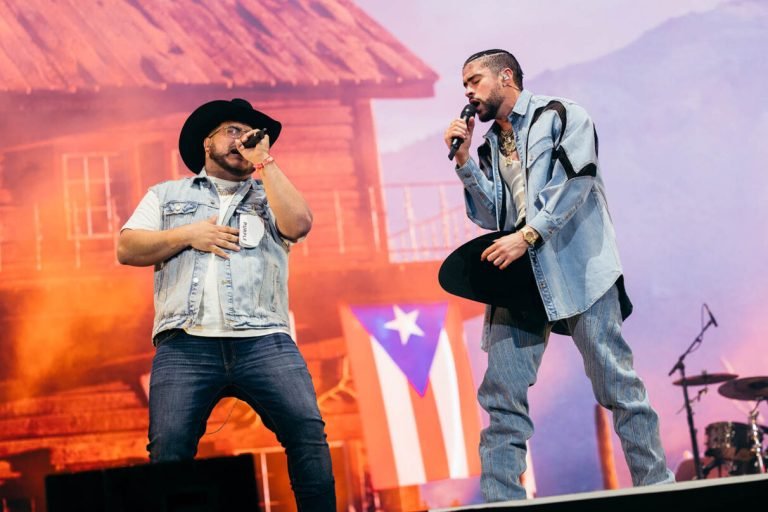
(543, 34)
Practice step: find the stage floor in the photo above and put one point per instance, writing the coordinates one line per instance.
(713, 494)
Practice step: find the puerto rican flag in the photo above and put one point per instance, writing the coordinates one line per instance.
(415, 392)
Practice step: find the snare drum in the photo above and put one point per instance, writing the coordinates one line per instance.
(728, 440)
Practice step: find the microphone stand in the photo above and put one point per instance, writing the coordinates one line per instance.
(680, 365)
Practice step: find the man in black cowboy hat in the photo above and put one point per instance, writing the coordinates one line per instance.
(219, 243)
(538, 180)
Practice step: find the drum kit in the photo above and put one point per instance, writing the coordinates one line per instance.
(736, 448)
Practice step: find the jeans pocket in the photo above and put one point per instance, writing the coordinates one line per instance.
(166, 336)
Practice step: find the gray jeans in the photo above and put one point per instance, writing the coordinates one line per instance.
(514, 356)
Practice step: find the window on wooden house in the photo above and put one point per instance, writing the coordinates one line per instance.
(88, 197)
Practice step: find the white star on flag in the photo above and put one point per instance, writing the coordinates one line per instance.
(405, 324)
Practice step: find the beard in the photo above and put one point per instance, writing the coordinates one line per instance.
(241, 169)
(492, 105)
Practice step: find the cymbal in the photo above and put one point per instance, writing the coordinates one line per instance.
(746, 388)
(705, 378)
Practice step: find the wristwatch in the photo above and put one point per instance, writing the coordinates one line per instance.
(529, 235)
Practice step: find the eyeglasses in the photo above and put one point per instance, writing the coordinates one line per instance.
(233, 132)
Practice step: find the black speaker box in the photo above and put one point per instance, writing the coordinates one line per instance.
(203, 485)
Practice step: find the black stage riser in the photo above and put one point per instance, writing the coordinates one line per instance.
(205, 485)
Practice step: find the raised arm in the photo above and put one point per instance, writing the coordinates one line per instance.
(478, 188)
(292, 214)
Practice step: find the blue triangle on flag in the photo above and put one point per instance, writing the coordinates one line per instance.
(408, 333)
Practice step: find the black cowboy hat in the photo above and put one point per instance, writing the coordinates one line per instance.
(210, 115)
(514, 288)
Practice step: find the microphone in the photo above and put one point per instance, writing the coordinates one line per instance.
(711, 316)
(467, 113)
(254, 139)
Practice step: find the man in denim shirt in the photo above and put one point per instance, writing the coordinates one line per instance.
(539, 176)
(219, 243)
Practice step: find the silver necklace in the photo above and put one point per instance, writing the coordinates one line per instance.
(226, 190)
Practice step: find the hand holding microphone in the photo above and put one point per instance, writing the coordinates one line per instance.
(254, 147)
(254, 139)
(459, 133)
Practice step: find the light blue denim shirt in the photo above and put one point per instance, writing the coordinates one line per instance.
(576, 260)
(253, 282)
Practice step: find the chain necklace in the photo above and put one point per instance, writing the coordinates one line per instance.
(226, 190)
(507, 146)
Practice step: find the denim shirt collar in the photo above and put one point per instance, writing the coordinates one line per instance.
(202, 176)
(521, 105)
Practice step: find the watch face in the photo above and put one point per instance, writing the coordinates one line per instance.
(529, 237)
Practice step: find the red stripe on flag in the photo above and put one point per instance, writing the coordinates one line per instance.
(430, 434)
(370, 401)
(470, 413)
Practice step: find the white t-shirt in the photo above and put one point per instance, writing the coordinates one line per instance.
(210, 319)
(512, 174)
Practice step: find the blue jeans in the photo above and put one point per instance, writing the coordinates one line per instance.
(514, 356)
(190, 374)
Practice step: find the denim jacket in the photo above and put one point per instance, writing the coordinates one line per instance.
(576, 260)
(253, 282)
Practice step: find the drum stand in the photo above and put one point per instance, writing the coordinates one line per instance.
(688, 409)
(689, 414)
(757, 447)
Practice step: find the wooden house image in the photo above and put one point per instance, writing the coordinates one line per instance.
(92, 98)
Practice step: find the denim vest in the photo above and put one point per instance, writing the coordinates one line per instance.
(253, 282)
(577, 260)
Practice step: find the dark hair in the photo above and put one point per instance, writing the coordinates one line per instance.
(496, 60)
